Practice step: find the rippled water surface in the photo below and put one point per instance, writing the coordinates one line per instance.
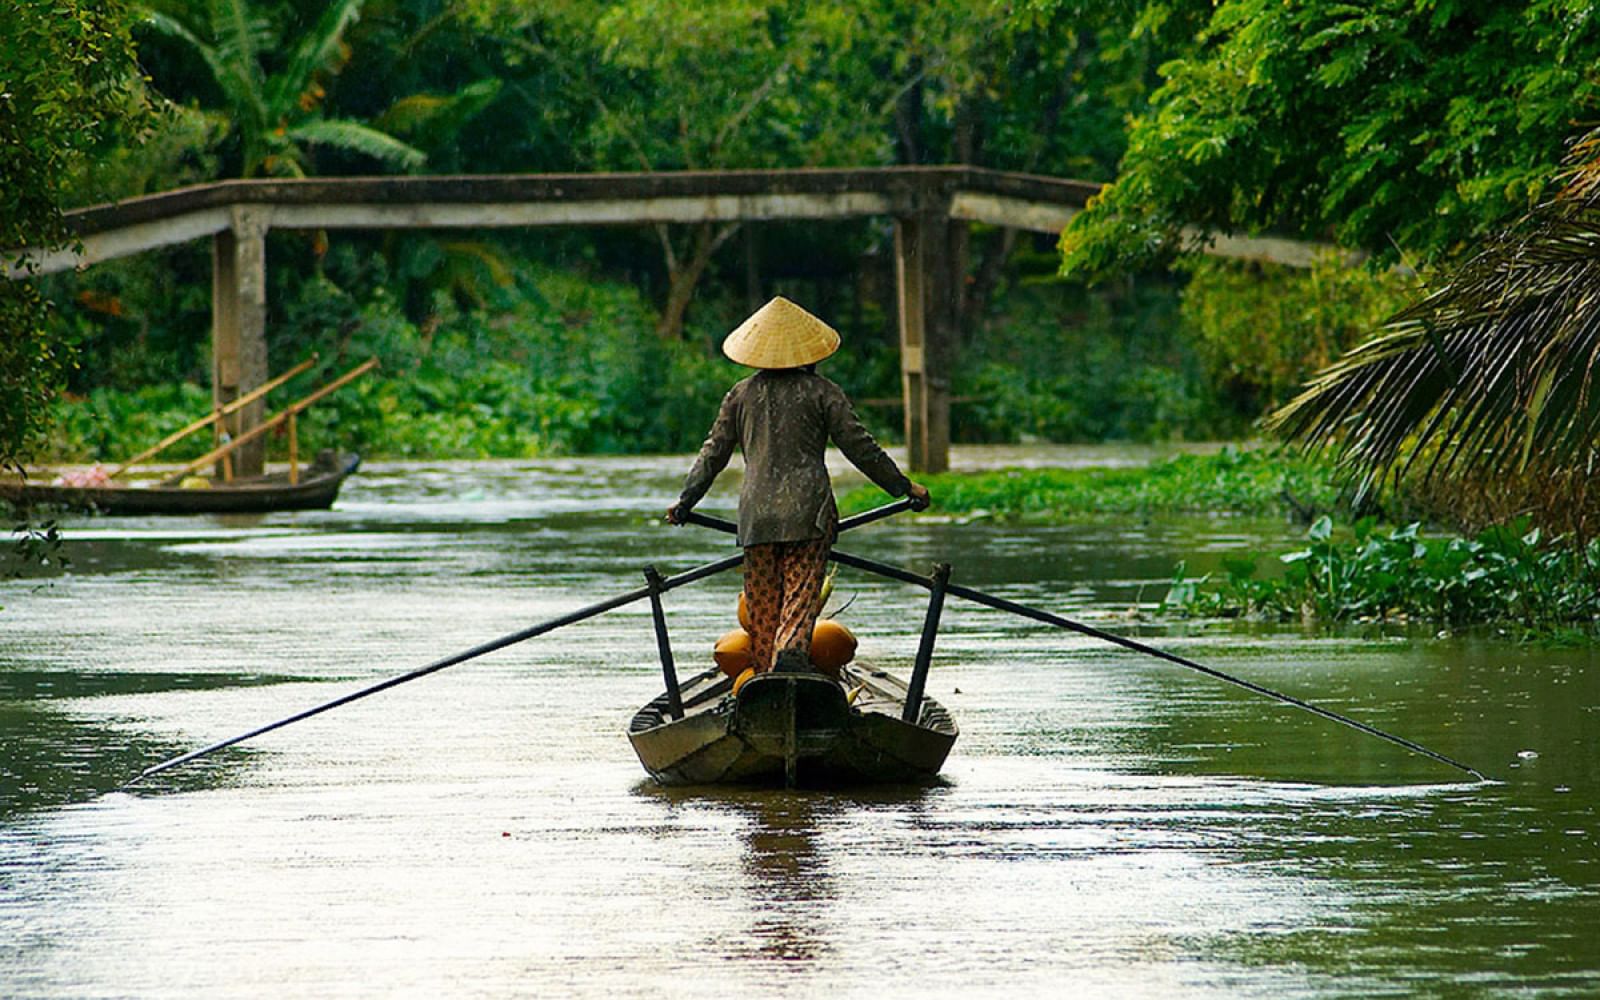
(1107, 825)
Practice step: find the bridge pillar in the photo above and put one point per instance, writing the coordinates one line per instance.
(926, 300)
(239, 329)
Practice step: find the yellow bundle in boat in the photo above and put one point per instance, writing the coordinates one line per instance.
(832, 646)
(732, 652)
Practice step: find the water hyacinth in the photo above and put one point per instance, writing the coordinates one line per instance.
(1507, 575)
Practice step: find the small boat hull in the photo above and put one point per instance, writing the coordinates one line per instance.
(317, 489)
(793, 730)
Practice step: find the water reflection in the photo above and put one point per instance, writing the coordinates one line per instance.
(787, 879)
(796, 909)
(52, 756)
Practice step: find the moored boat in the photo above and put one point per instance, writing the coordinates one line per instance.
(186, 492)
(316, 489)
(793, 729)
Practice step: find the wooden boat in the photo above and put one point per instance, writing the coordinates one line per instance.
(317, 488)
(314, 488)
(793, 729)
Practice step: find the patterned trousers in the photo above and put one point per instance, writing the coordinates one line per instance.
(782, 582)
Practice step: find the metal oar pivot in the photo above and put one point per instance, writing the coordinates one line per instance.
(656, 586)
(1001, 604)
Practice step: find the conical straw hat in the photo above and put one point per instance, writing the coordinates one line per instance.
(781, 335)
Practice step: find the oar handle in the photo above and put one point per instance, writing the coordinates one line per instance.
(879, 513)
(855, 521)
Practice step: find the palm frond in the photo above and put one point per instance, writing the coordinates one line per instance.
(317, 51)
(240, 36)
(1491, 376)
(233, 79)
(432, 119)
(359, 138)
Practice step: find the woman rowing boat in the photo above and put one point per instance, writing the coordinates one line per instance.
(782, 419)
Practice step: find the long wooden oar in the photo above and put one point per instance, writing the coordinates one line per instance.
(1001, 604)
(272, 422)
(551, 625)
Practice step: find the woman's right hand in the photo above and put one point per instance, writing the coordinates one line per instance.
(675, 514)
(920, 497)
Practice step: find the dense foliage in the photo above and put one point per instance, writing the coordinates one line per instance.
(554, 362)
(1394, 126)
(1058, 362)
(1485, 388)
(65, 73)
(561, 364)
(1260, 330)
(1416, 131)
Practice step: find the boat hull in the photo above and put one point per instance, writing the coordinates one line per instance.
(316, 490)
(793, 730)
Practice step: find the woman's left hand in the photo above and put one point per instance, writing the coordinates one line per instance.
(675, 514)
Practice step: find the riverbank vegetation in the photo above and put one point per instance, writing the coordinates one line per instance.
(1508, 576)
(1233, 480)
(1368, 123)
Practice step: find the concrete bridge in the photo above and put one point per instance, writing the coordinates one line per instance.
(928, 205)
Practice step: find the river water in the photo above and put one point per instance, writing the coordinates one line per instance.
(1108, 824)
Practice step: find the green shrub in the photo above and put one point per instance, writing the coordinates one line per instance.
(561, 365)
(1059, 362)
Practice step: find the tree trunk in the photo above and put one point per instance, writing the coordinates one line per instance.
(752, 270)
(683, 276)
(907, 123)
(1000, 243)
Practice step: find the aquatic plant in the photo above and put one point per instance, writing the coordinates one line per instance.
(1509, 575)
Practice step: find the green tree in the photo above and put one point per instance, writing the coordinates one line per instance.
(676, 85)
(681, 85)
(1038, 87)
(277, 112)
(1391, 126)
(66, 71)
(1043, 87)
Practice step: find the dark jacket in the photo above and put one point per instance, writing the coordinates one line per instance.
(782, 420)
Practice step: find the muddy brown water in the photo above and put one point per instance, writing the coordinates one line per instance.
(1108, 824)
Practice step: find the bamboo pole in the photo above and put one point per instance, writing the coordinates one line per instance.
(275, 420)
(294, 451)
(211, 418)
